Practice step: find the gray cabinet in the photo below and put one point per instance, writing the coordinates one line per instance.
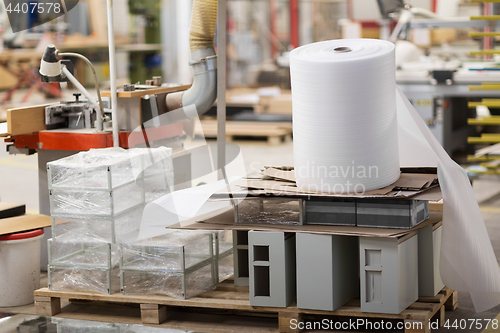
(389, 273)
(327, 271)
(272, 268)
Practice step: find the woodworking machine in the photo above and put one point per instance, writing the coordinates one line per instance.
(145, 118)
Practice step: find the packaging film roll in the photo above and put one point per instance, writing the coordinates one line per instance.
(344, 115)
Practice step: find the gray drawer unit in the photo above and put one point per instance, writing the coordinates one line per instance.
(389, 273)
(327, 271)
(429, 253)
(388, 213)
(272, 268)
(331, 212)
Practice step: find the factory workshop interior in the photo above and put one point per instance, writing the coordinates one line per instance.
(173, 166)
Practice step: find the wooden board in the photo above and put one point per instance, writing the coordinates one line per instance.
(26, 120)
(227, 297)
(23, 223)
(274, 131)
(144, 92)
(10, 210)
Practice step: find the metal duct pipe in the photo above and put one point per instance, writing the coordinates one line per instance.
(202, 94)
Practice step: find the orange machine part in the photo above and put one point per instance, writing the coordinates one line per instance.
(55, 140)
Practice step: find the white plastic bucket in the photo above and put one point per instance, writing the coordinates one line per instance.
(19, 267)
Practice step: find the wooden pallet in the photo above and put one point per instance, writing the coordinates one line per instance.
(274, 132)
(228, 299)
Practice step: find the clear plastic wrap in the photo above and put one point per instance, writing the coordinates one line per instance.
(272, 211)
(179, 264)
(106, 182)
(226, 267)
(75, 250)
(76, 202)
(223, 243)
(111, 229)
(65, 325)
(109, 168)
(105, 281)
(167, 252)
(148, 329)
(158, 178)
(84, 326)
(168, 283)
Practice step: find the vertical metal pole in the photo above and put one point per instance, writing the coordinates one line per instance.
(221, 85)
(183, 270)
(112, 72)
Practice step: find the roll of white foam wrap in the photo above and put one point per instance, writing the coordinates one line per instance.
(344, 115)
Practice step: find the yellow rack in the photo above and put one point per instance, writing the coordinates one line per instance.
(485, 138)
(489, 102)
(484, 52)
(492, 120)
(483, 34)
(483, 158)
(486, 17)
(486, 86)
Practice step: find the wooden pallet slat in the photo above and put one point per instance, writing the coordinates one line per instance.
(275, 132)
(235, 300)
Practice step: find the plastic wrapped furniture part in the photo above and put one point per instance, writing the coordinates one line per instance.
(269, 210)
(105, 281)
(383, 213)
(73, 250)
(84, 326)
(158, 173)
(330, 212)
(108, 168)
(109, 229)
(168, 283)
(88, 203)
(148, 329)
(166, 252)
(223, 249)
(95, 169)
(180, 264)
(225, 267)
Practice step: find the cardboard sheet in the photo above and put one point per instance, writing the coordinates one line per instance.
(23, 223)
(280, 181)
(225, 221)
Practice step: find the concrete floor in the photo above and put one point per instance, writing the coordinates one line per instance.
(19, 184)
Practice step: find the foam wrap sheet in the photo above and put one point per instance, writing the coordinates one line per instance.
(468, 262)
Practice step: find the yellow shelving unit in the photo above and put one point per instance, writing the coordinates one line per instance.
(489, 157)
